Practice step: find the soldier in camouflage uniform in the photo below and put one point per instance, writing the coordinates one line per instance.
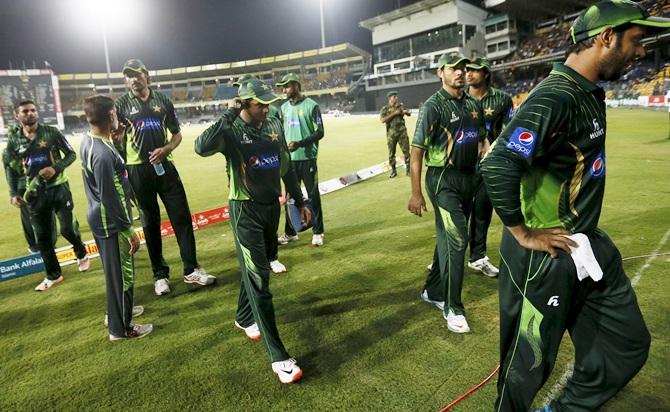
(393, 115)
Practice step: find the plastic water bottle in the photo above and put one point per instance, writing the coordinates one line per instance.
(158, 168)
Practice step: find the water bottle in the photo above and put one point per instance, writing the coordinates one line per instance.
(158, 168)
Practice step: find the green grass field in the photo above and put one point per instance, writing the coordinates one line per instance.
(349, 311)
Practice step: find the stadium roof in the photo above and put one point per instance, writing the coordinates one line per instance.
(406, 11)
(536, 10)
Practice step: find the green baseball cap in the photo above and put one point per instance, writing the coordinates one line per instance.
(451, 60)
(134, 65)
(479, 63)
(243, 79)
(392, 93)
(257, 90)
(613, 13)
(291, 77)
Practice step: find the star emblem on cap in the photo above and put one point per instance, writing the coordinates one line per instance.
(488, 111)
(475, 114)
(264, 86)
(274, 136)
(157, 108)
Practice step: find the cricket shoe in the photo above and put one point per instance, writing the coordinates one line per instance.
(285, 239)
(48, 284)
(161, 287)
(456, 323)
(199, 277)
(138, 331)
(287, 370)
(252, 331)
(137, 311)
(83, 264)
(317, 240)
(277, 267)
(425, 298)
(393, 173)
(485, 266)
(429, 267)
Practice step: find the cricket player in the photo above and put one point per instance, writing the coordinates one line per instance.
(497, 107)
(147, 116)
(303, 126)
(545, 176)
(254, 146)
(109, 215)
(45, 153)
(450, 135)
(393, 116)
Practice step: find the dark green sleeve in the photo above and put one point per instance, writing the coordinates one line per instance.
(289, 177)
(426, 126)
(318, 133)
(69, 154)
(11, 174)
(482, 133)
(121, 147)
(213, 139)
(529, 136)
(171, 120)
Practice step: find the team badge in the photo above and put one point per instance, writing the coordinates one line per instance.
(488, 112)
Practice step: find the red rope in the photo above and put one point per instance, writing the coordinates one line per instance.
(471, 390)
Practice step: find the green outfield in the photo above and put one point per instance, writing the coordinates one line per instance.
(349, 312)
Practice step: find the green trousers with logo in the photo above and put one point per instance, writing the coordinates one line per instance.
(119, 268)
(541, 298)
(255, 229)
(450, 191)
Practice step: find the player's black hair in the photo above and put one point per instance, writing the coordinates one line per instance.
(97, 110)
(23, 103)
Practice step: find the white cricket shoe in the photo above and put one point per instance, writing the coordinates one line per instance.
(137, 311)
(138, 331)
(425, 298)
(83, 264)
(485, 266)
(199, 277)
(317, 240)
(277, 267)
(456, 323)
(162, 287)
(288, 370)
(429, 267)
(285, 239)
(48, 284)
(252, 331)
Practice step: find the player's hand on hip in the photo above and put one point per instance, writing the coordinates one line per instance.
(549, 240)
(47, 172)
(417, 204)
(17, 201)
(134, 241)
(305, 215)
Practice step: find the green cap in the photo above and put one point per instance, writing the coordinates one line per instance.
(291, 77)
(243, 79)
(257, 90)
(134, 65)
(613, 13)
(392, 93)
(451, 59)
(479, 63)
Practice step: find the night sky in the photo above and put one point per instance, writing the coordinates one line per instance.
(173, 33)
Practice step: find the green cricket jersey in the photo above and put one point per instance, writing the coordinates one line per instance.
(16, 179)
(303, 124)
(547, 168)
(256, 158)
(147, 124)
(48, 148)
(395, 126)
(498, 109)
(107, 187)
(449, 130)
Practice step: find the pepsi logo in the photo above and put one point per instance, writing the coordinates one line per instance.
(459, 136)
(598, 167)
(253, 161)
(526, 138)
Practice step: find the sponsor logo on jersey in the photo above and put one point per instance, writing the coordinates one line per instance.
(454, 118)
(264, 161)
(597, 168)
(147, 124)
(134, 111)
(522, 141)
(292, 123)
(245, 139)
(466, 136)
(38, 160)
(597, 130)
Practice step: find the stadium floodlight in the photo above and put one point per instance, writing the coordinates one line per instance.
(323, 33)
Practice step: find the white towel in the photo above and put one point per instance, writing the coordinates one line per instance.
(583, 257)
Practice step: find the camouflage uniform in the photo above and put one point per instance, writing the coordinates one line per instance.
(396, 133)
